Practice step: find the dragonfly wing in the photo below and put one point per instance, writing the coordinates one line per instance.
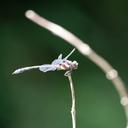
(69, 54)
(47, 67)
(56, 61)
(60, 56)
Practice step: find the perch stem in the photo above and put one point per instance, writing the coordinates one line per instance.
(73, 108)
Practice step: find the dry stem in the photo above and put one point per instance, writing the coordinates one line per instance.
(86, 50)
(73, 108)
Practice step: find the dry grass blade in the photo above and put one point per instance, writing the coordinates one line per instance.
(86, 50)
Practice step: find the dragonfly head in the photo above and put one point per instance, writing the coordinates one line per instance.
(75, 64)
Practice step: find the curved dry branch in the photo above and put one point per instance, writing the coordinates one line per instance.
(86, 50)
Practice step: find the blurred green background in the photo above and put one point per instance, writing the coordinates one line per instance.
(42, 100)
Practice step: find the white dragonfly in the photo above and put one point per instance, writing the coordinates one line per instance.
(57, 64)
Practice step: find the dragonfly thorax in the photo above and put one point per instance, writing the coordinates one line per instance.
(68, 65)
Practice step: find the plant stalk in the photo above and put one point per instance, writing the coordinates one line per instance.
(73, 108)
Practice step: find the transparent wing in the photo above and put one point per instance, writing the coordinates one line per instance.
(60, 56)
(58, 60)
(47, 67)
(69, 54)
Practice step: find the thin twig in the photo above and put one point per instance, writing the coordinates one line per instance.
(73, 108)
(86, 50)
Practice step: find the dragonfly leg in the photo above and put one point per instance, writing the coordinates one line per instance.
(67, 73)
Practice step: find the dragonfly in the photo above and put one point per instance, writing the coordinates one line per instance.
(56, 65)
